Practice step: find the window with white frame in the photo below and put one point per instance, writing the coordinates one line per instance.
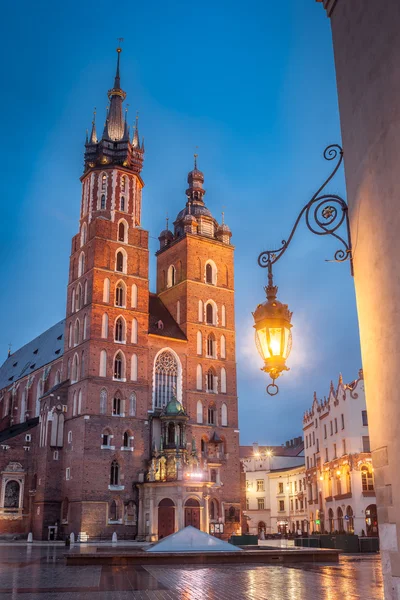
(166, 378)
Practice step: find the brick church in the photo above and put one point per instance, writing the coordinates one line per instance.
(123, 416)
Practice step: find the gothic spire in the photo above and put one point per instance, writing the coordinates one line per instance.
(136, 139)
(115, 124)
(93, 134)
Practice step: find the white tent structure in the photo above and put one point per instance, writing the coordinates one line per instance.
(191, 539)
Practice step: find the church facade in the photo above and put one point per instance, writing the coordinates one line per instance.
(123, 417)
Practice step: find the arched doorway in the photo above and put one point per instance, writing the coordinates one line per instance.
(261, 528)
(371, 520)
(192, 513)
(166, 518)
(349, 519)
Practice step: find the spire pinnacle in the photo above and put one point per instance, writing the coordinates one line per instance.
(93, 134)
(195, 161)
(135, 139)
(166, 222)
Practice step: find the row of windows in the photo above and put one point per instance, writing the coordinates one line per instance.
(120, 329)
(211, 380)
(102, 193)
(122, 232)
(333, 427)
(77, 333)
(79, 296)
(210, 274)
(212, 414)
(211, 345)
(119, 367)
(120, 293)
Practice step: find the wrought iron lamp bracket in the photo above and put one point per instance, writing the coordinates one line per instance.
(324, 215)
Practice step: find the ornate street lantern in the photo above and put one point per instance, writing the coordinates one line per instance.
(324, 215)
(272, 322)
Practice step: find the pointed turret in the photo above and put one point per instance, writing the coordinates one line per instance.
(136, 139)
(115, 124)
(93, 134)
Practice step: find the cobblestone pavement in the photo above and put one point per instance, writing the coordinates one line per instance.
(40, 573)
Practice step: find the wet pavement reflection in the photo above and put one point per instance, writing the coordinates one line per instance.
(40, 573)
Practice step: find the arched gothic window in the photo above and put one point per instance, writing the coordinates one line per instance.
(125, 441)
(212, 416)
(103, 202)
(103, 182)
(76, 332)
(211, 383)
(75, 369)
(223, 346)
(103, 364)
(134, 295)
(123, 184)
(104, 326)
(213, 475)
(78, 303)
(199, 377)
(83, 234)
(134, 367)
(200, 317)
(122, 203)
(120, 330)
(113, 511)
(119, 263)
(114, 473)
(134, 334)
(119, 366)
(121, 232)
(224, 415)
(106, 290)
(171, 276)
(81, 264)
(199, 343)
(117, 405)
(103, 402)
(132, 405)
(84, 327)
(223, 381)
(166, 378)
(120, 294)
(211, 345)
(199, 412)
(210, 314)
(211, 273)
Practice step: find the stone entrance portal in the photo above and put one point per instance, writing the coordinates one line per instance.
(166, 518)
(192, 513)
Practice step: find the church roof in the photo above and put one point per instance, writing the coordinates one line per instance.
(161, 322)
(37, 353)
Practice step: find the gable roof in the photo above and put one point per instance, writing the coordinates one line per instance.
(159, 312)
(42, 350)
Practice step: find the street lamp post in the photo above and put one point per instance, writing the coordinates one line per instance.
(324, 214)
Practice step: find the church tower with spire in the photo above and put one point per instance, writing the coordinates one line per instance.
(133, 424)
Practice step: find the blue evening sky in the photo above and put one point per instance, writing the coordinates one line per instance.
(252, 84)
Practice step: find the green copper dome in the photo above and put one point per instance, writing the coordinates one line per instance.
(174, 407)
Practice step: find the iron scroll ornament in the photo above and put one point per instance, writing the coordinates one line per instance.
(324, 215)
